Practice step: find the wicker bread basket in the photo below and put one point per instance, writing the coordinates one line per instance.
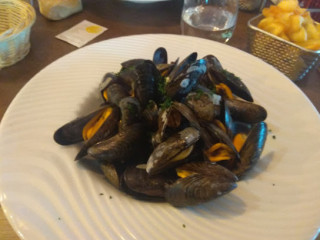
(294, 61)
(16, 20)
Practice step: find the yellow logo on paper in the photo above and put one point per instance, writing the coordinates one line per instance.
(94, 29)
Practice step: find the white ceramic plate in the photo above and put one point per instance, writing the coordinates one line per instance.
(47, 195)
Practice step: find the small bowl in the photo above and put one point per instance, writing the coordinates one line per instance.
(17, 18)
(294, 61)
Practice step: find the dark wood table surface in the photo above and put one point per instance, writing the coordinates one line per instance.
(122, 19)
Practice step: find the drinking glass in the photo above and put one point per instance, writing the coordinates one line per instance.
(211, 19)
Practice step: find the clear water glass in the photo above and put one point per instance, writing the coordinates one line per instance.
(211, 19)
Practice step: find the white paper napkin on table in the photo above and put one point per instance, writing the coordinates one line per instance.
(81, 33)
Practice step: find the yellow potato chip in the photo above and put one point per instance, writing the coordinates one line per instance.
(284, 36)
(274, 28)
(312, 32)
(295, 22)
(266, 21)
(299, 36)
(288, 5)
(292, 23)
(313, 44)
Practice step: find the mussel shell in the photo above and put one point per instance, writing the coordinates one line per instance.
(207, 182)
(130, 112)
(116, 92)
(71, 132)
(144, 85)
(187, 113)
(227, 118)
(252, 148)
(108, 79)
(165, 115)
(218, 135)
(213, 63)
(247, 112)
(122, 147)
(160, 56)
(150, 116)
(113, 173)
(107, 129)
(202, 106)
(131, 63)
(217, 74)
(187, 81)
(236, 86)
(165, 68)
(162, 156)
(183, 65)
(139, 181)
(127, 76)
(162, 123)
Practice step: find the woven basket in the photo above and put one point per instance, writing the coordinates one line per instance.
(294, 61)
(16, 20)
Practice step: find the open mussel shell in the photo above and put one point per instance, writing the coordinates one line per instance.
(252, 148)
(217, 75)
(235, 84)
(106, 130)
(247, 112)
(71, 132)
(183, 66)
(108, 79)
(169, 116)
(163, 156)
(206, 182)
(185, 82)
(139, 182)
(216, 135)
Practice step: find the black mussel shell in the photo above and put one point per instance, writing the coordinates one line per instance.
(160, 56)
(247, 112)
(252, 148)
(207, 181)
(71, 132)
(139, 181)
(107, 129)
(122, 147)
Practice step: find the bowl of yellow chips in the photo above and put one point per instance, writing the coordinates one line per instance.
(286, 36)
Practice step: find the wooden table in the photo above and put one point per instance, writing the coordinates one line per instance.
(122, 18)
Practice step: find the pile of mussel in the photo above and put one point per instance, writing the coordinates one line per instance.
(184, 132)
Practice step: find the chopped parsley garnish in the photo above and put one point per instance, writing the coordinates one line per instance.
(166, 103)
(161, 85)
